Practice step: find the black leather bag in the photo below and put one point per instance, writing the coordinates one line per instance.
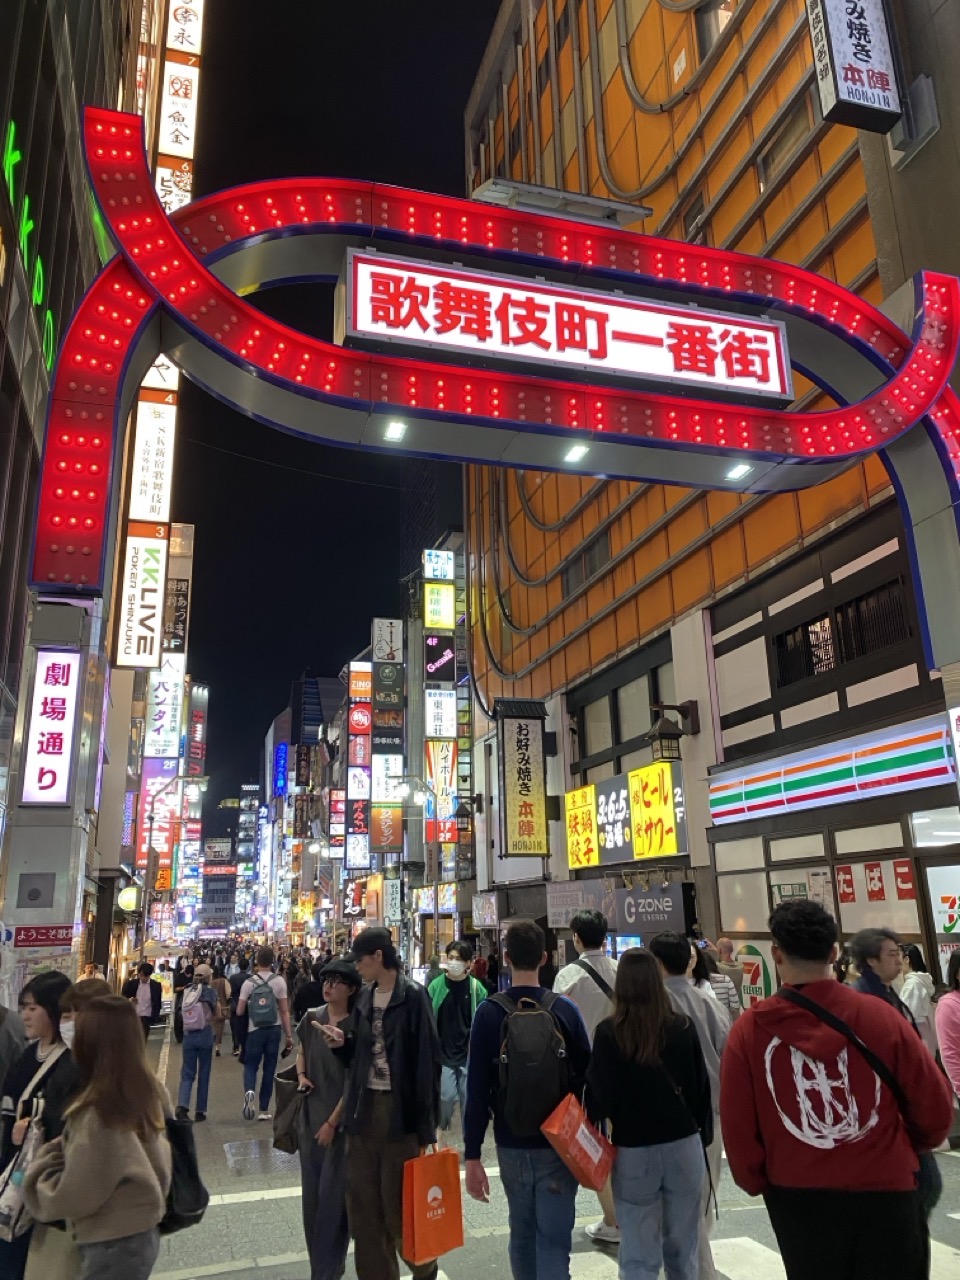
(188, 1197)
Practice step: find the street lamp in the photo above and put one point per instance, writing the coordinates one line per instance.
(664, 734)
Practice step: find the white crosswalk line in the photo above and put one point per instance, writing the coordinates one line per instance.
(742, 1258)
(944, 1261)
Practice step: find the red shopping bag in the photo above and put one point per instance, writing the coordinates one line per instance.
(432, 1208)
(582, 1148)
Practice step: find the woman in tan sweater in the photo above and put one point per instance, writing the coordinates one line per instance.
(109, 1174)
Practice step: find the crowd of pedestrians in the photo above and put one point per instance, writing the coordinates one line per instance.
(829, 1098)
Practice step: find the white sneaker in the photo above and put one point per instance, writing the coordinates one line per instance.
(249, 1110)
(265, 1115)
(600, 1233)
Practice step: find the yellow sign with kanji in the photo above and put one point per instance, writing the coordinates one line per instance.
(583, 846)
(164, 881)
(657, 810)
(439, 606)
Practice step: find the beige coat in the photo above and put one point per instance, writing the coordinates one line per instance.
(106, 1182)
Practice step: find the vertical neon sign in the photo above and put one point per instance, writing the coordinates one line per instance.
(36, 274)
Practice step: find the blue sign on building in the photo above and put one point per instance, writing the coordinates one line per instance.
(280, 769)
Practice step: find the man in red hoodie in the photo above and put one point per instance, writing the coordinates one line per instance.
(809, 1125)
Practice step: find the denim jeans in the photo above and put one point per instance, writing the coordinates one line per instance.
(657, 1191)
(197, 1056)
(129, 1258)
(542, 1200)
(453, 1088)
(262, 1042)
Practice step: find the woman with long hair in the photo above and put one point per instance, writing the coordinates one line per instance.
(647, 1051)
(109, 1173)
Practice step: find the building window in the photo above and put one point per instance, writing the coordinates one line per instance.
(590, 560)
(563, 26)
(712, 17)
(871, 622)
(543, 72)
(694, 227)
(786, 142)
(515, 139)
(611, 713)
(868, 624)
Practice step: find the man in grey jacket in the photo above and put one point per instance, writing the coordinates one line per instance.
(713, 1027)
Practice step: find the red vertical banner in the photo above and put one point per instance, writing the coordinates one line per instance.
(903, 879)
(846, 890)
(876, 891)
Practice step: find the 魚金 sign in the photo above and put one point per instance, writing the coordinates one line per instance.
(488, 315)
(523, 788)
(853, 57)
(580, 815)
(657, 810)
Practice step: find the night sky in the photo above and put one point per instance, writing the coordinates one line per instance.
(296, 543)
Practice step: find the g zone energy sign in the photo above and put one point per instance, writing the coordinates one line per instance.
(474, 312)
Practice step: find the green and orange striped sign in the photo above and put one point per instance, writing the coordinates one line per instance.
(903, 758)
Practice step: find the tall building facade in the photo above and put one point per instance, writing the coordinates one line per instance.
(54, 56)
(788, 619)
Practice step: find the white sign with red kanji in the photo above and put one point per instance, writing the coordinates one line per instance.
(856, 72)
(152, 469)
(478, 313)
(49, 734)
(178, 110)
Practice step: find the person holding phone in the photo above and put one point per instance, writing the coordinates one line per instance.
(325, 1036)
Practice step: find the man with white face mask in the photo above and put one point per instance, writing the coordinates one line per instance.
(455, 995)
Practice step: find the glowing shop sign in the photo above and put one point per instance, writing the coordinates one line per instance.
(141, 595)
(32, 262)
(856, 71)
(49, 735)
(439, 606)
(440, 566)
(490, 315)
(580, 814)
(152, 468)
(657, 810)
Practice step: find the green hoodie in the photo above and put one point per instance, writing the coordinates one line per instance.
(438, 991)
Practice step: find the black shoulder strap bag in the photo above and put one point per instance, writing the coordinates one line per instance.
(602, 983)
(929, 1179)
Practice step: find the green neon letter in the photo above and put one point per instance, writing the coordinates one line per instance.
(11, 158)
(49, 341)
(27, 225)
(39, 287)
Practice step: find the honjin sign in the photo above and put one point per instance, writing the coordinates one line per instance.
(479, 313)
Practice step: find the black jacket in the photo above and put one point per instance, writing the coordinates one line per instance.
(413, 1051)
(156, 995)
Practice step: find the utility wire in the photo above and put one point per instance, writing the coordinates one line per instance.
(282, 466)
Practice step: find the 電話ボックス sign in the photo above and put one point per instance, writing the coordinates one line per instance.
(479, 313)
(854, 61)
(523, 788)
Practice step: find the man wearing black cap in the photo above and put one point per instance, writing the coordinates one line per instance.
(321, 1071)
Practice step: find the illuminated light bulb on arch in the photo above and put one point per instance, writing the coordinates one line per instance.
(739, 471)
(395, 431)
(576, 453)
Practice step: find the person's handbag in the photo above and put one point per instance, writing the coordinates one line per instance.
(187, 1198)
(432, 1208)
(286, 1118)
(929, 1178)
(15, 1219)
(582, 1148)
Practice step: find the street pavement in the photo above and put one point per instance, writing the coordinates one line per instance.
(252, 1229)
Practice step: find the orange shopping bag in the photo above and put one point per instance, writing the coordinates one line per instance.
(432, 1208)
(582, 1148)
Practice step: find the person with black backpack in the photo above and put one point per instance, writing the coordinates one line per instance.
(528, 1049)
(263, 998)
(588, 982)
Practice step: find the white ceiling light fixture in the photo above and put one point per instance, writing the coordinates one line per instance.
(576, 453)
(739, 471)
(395, 431)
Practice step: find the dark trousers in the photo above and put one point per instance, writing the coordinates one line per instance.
(375, 1192)
(850, 1235)
(323, 1172)
(146, 1023)
(238, 1030)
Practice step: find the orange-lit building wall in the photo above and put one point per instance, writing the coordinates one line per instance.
(711, 120)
